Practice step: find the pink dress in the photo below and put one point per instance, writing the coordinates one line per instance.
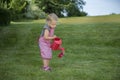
(45, 50)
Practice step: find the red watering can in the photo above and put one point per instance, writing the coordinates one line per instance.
(56, 45)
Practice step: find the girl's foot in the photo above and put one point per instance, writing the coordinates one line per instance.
(46, 68)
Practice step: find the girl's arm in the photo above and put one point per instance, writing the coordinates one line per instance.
(46, 35)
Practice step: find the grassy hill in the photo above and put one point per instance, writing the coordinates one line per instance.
(92, 47)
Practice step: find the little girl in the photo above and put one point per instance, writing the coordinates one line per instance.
(47, 34)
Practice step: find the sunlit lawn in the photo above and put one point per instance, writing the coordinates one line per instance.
(92, 47)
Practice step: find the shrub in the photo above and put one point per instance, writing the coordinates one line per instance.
(16, 15)
(5, 17)
(83, 14)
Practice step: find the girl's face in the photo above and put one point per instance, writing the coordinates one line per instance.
(52, 24)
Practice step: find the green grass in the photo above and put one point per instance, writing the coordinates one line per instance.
(92, 47)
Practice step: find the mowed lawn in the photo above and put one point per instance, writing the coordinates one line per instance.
(92, 50)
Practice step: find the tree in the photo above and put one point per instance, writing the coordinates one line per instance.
(75, 8)
(50, 6)
(71, 7)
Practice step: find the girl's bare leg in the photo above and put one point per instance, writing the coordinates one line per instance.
(46, 62)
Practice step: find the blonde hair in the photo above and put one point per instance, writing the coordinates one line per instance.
(52, 17)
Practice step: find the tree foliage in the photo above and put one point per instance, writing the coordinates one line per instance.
(71, 7)
(5, 16)
(38, 8)
(33, 11)
(14, 6)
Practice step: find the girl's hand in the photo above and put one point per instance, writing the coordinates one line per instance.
(54, 36)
